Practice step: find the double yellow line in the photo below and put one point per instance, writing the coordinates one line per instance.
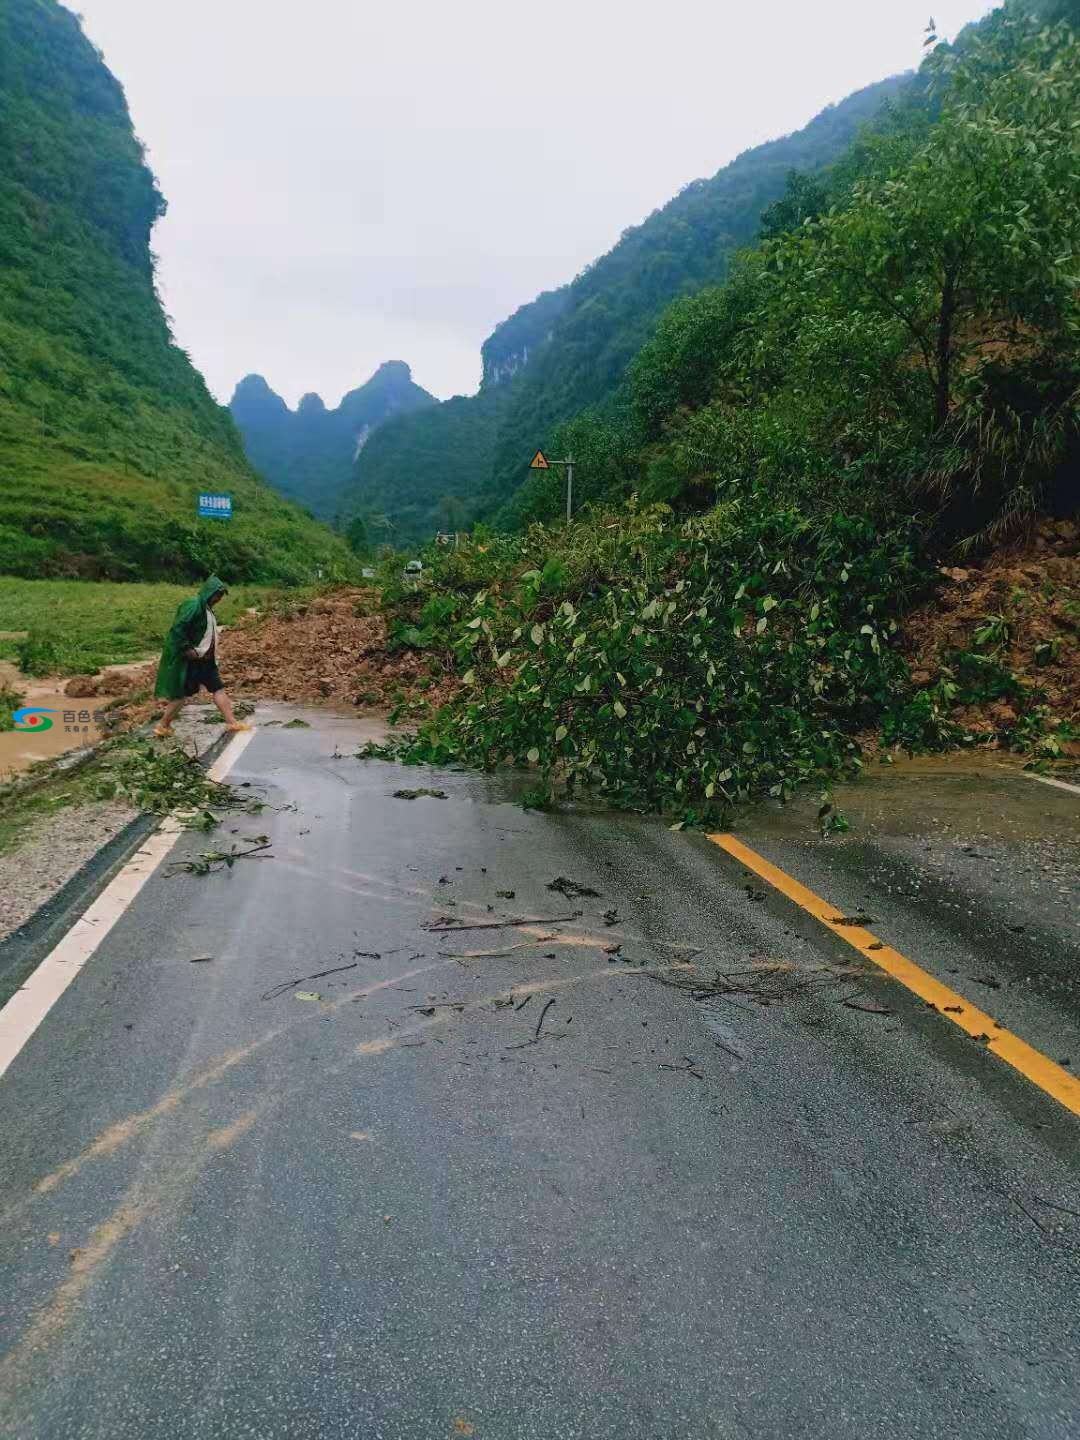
(1050, 1077)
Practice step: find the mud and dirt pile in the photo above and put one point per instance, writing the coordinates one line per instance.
(1016, 611)
(330, 650)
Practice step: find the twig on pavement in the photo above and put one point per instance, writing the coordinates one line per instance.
(1021, 1206)
(543, 1012)
(440, 929)
(1055, 1206)
(291, 984)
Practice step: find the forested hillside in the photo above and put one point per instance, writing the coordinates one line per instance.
(579, 340)
(885, 391)
(107, 432)
(308, 454)
(420, 474)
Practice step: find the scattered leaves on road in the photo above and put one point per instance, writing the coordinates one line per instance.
(573, 889)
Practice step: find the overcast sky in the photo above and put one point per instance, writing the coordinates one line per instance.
(351, 182)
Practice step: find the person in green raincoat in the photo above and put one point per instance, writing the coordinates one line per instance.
(189, 659)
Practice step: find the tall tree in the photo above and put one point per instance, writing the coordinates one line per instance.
(975, 236)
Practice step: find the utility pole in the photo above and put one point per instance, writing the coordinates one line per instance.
(541, 462)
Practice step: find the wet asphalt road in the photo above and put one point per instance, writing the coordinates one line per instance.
(392, 1211)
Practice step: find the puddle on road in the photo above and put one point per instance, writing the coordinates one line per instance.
(966, 794)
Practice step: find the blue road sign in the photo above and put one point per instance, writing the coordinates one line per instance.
(215, 507)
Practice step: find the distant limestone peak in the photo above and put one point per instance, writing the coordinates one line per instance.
(253, 399)
(308, 453)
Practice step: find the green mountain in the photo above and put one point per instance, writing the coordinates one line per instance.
(107, 432)
(427, 469)
(308, 454)
(569, 348)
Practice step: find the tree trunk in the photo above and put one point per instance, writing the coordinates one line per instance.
(946, 317)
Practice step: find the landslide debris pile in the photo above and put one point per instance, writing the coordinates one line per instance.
(1003, 633)
(328, 650)
(332, 648)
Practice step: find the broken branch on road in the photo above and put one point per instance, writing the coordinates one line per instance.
(543, 1012)
(212, 861)
(767, 982)
(536, 1036)
(446, 925)
(573, 889)
(303, 979)
(487, 954)
(689, 1068)
(870, 1007)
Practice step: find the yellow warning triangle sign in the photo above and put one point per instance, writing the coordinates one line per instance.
(539, 461)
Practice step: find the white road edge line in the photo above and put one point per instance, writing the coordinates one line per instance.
(1047, 780)
(28, 1007)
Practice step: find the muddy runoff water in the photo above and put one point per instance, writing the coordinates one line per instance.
(72, 723)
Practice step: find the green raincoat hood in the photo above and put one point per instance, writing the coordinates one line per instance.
(211, 587)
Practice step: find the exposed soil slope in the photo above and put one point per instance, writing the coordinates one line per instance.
(1018, 609)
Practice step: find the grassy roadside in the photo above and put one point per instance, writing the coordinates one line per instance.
(79, 626)
(22, 807)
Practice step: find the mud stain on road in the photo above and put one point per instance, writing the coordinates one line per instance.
(128, 1129)
(145, 1198)
(123, 1132)
(142, 1199)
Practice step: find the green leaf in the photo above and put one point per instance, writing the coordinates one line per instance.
(620, 709)
(533, 755)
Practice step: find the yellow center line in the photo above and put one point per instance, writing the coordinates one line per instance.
(1054, 1079)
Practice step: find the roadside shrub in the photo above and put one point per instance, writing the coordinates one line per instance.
(40, 655)
(10, 700)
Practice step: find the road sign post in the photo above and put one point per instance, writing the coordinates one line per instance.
(541, 462)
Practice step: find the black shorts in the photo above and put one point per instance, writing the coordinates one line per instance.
(203, 672)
